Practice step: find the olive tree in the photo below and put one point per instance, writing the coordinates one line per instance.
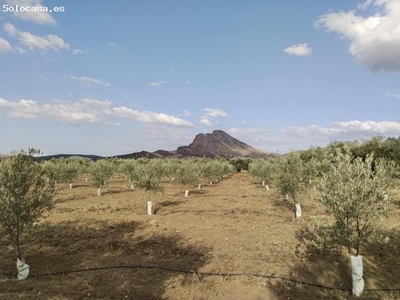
(188, 173)
(100, 172)
(69, 169)
(148, 175)
(25, 195)
(290, 174)
(128, 168)
(264, 170)
(356, 194)
(52, 171)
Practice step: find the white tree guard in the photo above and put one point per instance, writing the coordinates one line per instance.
(357, 275)
(267, 187)
(23, 270)
(149, 208)
(186, 193)
(298, 210)
(98, 192)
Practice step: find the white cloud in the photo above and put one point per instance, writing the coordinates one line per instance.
(365, 5)
(5, 46)
(113, 45)
(96, 103)
(375, 39)
(313, 131)
(369, 127)
(299, 50)
(186, 113)
(80, 51)
(345, 130)
(64, 112)
(85, 111)
(210, 114)
(20, 50)
(149, 117)
(393, 95)
(157, 83)
(205, 121)
(89, 81)
(10, 29)
(187, 82)
(41, 17)
(33, 42)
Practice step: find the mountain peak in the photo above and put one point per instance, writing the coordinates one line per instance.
(219, 143)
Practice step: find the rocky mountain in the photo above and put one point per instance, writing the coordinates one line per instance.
(219, 143)
(204, 145)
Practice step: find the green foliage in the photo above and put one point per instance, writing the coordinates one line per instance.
(148, 174)
(51, 170)
(84, 165)
(357, 196)
(264, 170)
(128, 168)
(188, 173)
(24, 195)
(215, 168)
(290, 175)
(101, 171)
(240, 163)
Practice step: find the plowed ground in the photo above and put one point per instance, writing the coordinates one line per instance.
(234, 229)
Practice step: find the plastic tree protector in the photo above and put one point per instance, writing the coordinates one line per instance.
(149, 208)
(23, 270)
(298, 210)
(357, 275)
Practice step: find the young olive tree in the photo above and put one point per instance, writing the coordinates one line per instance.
(100, 172)
(69, 169)
(52, 171)
(25, 195)
(290, 173)
(188, 173)
(264, 170)
(84, 167)
(128, 168)
(148, 175)
(357, 194)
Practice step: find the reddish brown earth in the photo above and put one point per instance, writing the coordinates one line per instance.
(234, 226)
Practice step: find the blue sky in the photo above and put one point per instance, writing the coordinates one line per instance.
(116, 77)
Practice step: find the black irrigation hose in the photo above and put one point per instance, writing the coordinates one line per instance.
(203, 274)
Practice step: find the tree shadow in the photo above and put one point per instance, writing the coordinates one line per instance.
(160, 209)
(286, 204)
(196, 192)
(70, 246)
(331, 268)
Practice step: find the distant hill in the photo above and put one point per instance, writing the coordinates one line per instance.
(204, 145)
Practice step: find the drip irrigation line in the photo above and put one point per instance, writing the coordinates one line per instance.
(199, 274)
